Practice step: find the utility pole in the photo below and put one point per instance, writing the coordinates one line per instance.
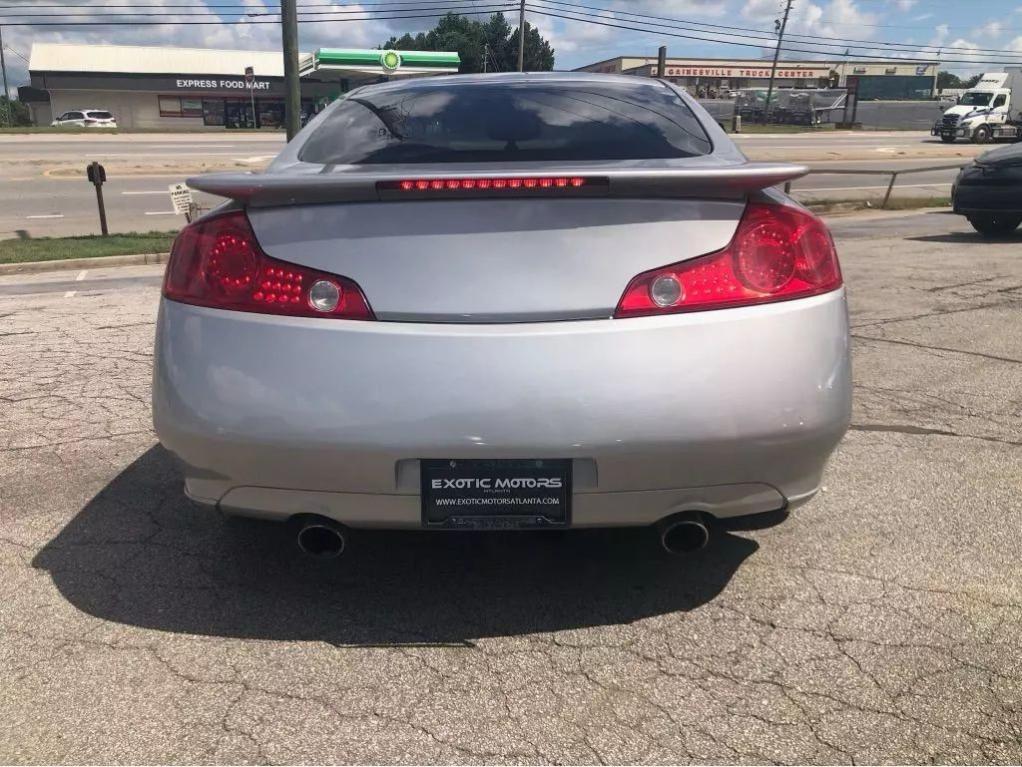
(521, 38)
(661, 62)
(7, 95)
(250, 82)
(289, 38)
(777, 54)
(486, 56)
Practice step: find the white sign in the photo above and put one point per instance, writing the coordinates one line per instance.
(235, 84)
(783, 73)
(181, 197)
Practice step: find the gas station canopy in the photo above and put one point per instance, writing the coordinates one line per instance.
(362, 64)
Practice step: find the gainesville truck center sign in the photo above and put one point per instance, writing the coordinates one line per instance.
(782, 72)
(221, 84)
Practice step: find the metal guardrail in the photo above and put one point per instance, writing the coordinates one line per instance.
(872, 172)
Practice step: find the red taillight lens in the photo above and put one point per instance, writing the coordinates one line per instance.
(777, 253)
(217, 262)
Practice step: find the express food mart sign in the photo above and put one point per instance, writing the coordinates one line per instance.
(220, 84)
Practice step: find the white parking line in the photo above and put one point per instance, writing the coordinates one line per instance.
(70, 294)
(81, 275)
(161, 213)
(155, 191)
(47, 215)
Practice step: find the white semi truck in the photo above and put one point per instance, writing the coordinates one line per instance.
(990, 110)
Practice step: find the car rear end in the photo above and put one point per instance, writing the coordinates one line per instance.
(514, 301)
(98, 118)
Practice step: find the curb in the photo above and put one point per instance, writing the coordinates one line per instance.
(56, 265)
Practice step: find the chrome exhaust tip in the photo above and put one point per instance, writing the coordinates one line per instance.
(684, 533)
(322, 538)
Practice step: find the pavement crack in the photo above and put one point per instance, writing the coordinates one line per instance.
(902, 428)
(995, 357)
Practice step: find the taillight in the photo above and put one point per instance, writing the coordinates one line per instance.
(777, 253)
(217, 262)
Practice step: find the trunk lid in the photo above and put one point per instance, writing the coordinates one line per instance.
(486, 260)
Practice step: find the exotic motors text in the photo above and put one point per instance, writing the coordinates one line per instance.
(496, 484)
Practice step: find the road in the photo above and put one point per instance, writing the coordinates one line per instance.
(43, 191)
(880, 623)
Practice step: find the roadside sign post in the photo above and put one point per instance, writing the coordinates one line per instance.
(181, 199)
(97, 175)
(250, 83)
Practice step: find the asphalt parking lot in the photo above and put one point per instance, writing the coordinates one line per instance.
(880, 623)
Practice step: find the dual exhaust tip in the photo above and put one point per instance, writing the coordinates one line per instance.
(684, 533)
(322, 538)
(679, 534)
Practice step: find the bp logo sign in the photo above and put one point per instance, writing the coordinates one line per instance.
(390, 60)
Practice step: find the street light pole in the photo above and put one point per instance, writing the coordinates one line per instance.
(521, 38)
(289, 39)
(773, 69)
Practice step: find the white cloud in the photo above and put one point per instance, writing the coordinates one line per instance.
(811, 18)
(992, 29)
(940, 34)
(905, 5)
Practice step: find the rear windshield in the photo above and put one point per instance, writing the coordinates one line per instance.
(513, 122)
(101, 115)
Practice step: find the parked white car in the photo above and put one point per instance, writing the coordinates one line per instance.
(86, 118)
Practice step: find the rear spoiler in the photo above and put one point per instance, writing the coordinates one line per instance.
(274, 189)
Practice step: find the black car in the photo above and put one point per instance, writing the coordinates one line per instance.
(988, 191)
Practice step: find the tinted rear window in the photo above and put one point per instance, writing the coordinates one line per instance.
(100, 115)
(513, 122)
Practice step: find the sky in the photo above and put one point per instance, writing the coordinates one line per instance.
(974, 33)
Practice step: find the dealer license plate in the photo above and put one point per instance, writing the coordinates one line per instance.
(496, 494)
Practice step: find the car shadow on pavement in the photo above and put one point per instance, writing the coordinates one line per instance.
(140, 554)
(968, 238)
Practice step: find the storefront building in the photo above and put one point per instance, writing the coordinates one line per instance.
(710, 78)
(190, 88)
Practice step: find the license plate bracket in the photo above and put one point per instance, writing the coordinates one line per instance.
(472, 494)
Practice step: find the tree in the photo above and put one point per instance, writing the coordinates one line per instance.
(948, 80)
(972, 81)
(539, 56)
(15, 112)
(491, 45)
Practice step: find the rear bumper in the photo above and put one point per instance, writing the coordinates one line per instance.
(731, 412)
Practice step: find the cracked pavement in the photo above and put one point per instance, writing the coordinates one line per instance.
(880, 623)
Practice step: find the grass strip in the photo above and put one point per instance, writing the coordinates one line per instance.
(91, 246)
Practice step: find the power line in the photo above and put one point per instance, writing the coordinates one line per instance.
(222, 22)
(213, 5)
(9, 49)
(1010, 56)
(249, 11)
(892, 59)
(763, 35)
